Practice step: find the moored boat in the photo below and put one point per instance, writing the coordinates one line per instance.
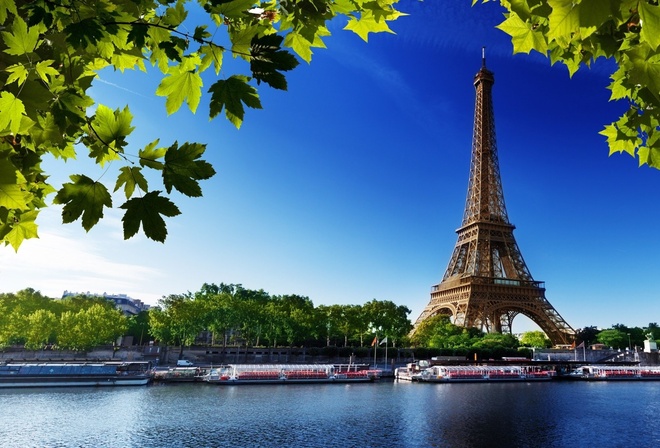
(615, 373)
(472, 374)
(411, 372)
(70, 374)
(179, 374)
(286, 374)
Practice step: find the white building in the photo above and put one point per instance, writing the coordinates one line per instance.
(128, 305)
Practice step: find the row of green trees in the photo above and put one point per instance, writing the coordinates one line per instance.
(239, 316)
(229, 314)
(619, 336)
(28, 318)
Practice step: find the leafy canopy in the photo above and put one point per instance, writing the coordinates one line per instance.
(51, 53)
(577, 32)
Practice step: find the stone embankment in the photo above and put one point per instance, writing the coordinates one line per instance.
(218, 355)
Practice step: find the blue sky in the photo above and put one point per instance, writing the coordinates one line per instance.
(350, 186)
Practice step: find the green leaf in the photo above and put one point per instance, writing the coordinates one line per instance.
(17, 73)
(523, 38)
(11, 112)
(174, 16)
(138, 34)
(183, 169)
(231, 94)
(241, 39)
(7, 7)
(644, 68)
(620, 138)
(302, 45)
(232, 8)
(84, 197)
(564, 20)
(131, 177)
(650, 20)
(366, 24)
(23, 229)
(45, 70)
(46, 131)
(619, 86)
(147, 211)
(268, 59)
(84, 32)
(182, 83)
(149, 156)
(21, 40)
(211, 54)
(112, 127)
(13, 195)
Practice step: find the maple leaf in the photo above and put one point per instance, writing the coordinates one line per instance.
(231, 94)
(523, 38)
(564, 20)
(131, 177)
(112, 127)
(45, 70)
(367, 23)
(147, 211)
(86, 31)
(268, 59)
(650, 19)
(182, 83)
(150, 154)
(18, 73)
(182, 169)
(12, 187)
(302, 45)
(22, 39)
(11, 112)
(83, 197)
(23, 229)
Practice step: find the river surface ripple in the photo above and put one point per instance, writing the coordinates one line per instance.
(385, 414)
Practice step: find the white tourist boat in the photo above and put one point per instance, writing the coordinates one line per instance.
(287, 374)
(614, 373)
(480, 374)
(69, 374)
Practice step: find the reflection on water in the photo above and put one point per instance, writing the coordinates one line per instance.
(330, 415)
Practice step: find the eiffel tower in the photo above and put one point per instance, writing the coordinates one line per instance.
(487, 283)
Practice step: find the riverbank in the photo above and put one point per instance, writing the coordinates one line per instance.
(205, 355)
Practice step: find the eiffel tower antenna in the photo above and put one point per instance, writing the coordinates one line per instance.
(487, 283)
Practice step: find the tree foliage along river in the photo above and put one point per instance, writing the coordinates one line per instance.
(234, 315)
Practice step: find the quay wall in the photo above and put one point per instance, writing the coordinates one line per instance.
(205, 355)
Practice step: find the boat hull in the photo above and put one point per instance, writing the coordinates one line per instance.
(73, 382)
(615, 373)
(229, 382)
(74, 374)
(236, 374)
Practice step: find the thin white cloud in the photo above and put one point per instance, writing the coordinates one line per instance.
(67, 259)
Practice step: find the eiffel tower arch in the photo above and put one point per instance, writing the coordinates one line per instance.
(487, 283)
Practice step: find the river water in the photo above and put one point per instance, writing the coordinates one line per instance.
(384, 414)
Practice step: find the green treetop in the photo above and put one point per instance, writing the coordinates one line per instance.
(51, 53)
(577, 32)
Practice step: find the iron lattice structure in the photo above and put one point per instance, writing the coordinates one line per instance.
(487, 283)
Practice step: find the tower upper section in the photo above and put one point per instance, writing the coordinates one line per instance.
(485, 199)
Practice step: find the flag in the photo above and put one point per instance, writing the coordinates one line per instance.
(383, 341)
(375, 341)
